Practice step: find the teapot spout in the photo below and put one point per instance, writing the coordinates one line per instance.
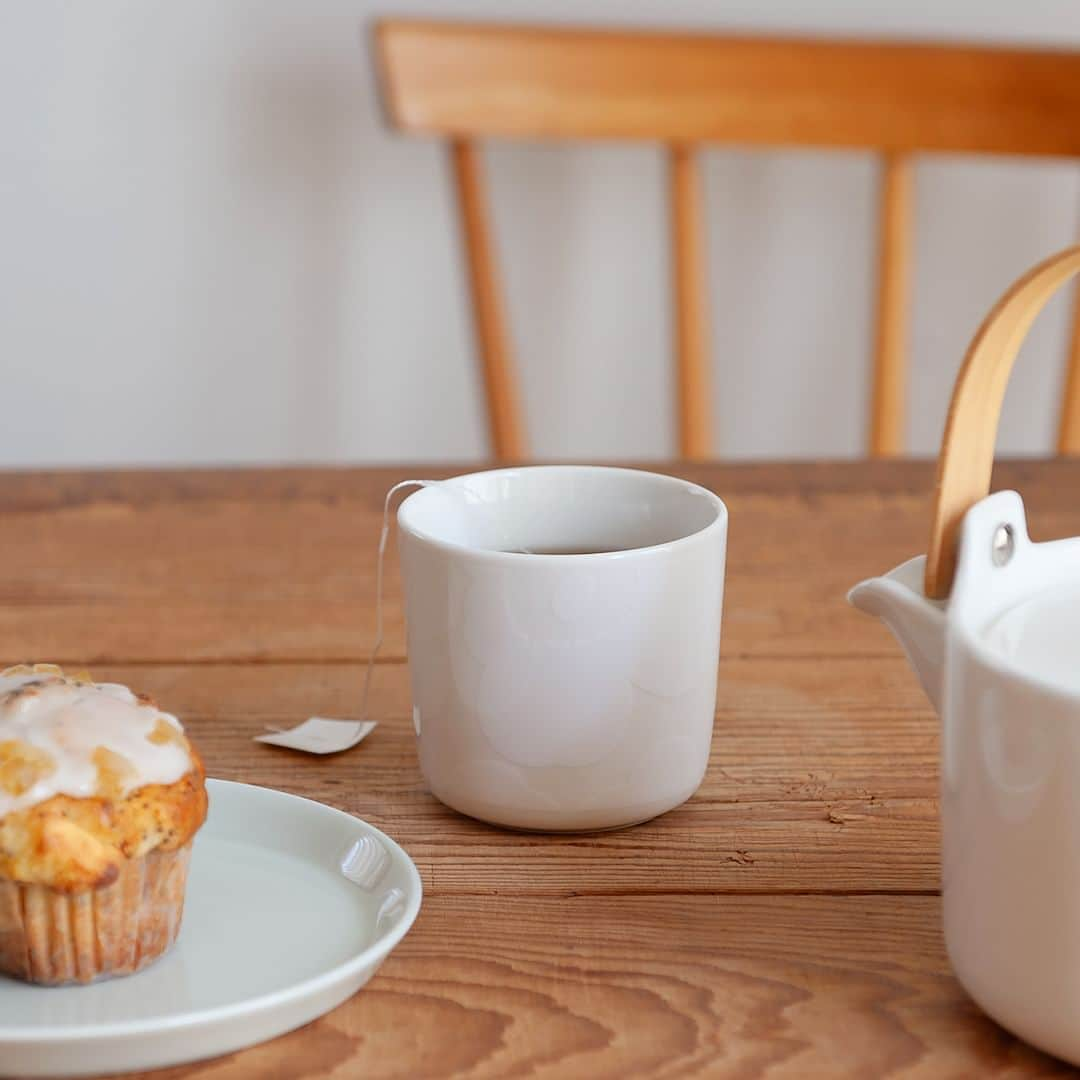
(916, 622)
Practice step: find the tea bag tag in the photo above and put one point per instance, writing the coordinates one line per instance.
(328, 735)
(320, 735)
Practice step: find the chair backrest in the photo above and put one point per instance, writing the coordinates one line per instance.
(466, 82)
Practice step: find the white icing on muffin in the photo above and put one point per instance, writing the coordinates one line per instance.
(61, 735)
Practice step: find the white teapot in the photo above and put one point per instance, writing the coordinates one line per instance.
(991, 623)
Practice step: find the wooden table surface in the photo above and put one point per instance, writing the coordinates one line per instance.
(784, 922)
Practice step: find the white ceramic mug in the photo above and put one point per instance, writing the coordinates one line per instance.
(563, 691)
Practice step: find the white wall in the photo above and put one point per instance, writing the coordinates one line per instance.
(211, 251)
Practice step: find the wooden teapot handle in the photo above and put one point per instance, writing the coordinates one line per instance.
(967, 447)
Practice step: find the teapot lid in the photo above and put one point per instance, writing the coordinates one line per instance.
(1041, 636)
(1019, 600)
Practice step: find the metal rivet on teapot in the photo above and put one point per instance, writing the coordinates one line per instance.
(1003, 545)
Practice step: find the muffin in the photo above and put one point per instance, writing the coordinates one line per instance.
(100, 797)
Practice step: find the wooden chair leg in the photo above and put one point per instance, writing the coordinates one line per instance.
(887, 409)
(690, 304)
(500, 388)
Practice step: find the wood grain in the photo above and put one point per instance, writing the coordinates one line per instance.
(678, 986)
(782, 923)
(468, 79)
(822, 779)
(279, 566)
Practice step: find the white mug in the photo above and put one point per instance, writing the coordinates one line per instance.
(555, 691)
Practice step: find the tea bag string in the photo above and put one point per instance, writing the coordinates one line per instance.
(383, 537)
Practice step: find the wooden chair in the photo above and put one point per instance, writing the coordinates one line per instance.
(467, 82)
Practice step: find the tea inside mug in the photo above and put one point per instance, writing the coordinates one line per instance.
(560, 510)
(563, 551)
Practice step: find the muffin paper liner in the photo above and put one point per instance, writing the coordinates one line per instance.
(53, 937)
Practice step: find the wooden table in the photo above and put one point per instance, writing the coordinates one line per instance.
(785, 921)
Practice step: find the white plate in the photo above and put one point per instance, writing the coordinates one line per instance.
(291, 906)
